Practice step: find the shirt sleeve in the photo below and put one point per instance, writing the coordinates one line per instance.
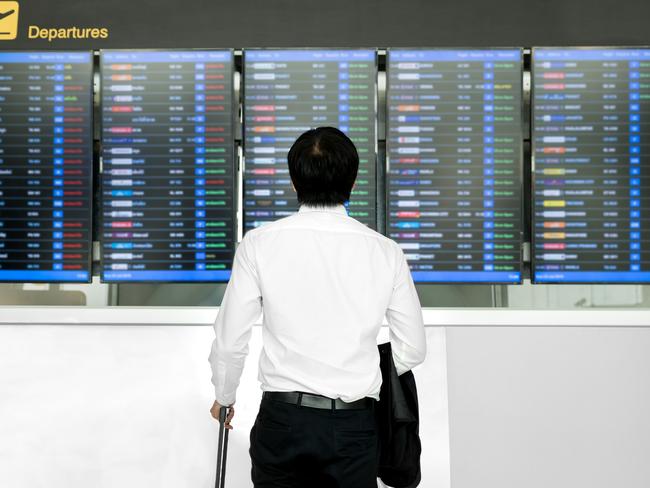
(240, 309)
(404, 316)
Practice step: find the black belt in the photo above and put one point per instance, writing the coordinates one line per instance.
(317, 401)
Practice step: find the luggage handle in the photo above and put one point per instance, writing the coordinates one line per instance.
(222, 449)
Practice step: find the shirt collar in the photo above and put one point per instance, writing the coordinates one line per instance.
(337, 209)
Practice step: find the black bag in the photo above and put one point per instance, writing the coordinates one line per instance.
(398, 422)
(222, 450)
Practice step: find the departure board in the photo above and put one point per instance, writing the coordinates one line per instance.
(168, 181)
(591, 147)
(454, 151)
(287, 92)
(45, 166)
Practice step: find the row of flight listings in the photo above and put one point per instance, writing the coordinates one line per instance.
(454, 159)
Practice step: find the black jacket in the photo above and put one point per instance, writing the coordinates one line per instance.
(398, 419)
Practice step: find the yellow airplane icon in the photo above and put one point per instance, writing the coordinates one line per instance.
(8, 20)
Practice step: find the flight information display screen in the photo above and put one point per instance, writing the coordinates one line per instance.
(591, 147)
(287, 92)
(46, 144)
(454, 151)
(168, 181)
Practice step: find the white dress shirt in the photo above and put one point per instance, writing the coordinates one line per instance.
(324, 282)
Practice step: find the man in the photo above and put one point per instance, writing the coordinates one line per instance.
(325, 283)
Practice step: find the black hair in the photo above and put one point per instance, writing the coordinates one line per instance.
(323, 164)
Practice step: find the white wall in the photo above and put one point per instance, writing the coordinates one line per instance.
(121, 406)
(560, 407)
(551, 400)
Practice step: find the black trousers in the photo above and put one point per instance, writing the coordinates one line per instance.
(301, 447)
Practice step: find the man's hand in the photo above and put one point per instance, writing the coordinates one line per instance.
(215, 413)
